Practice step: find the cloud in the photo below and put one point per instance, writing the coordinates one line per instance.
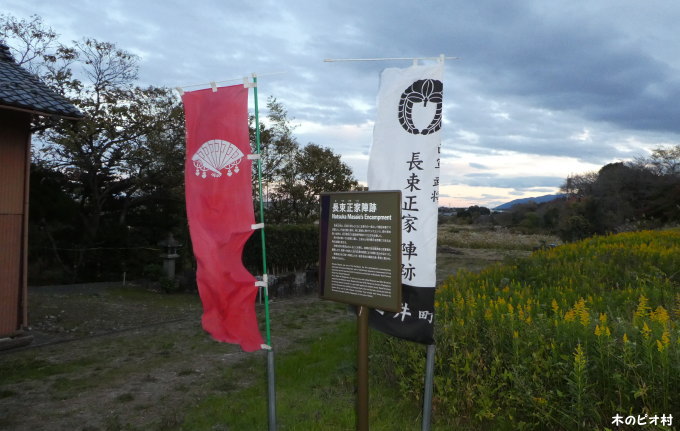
(517, 183)
(540, 90)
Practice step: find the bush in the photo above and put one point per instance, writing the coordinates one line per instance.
(564, 339)
(289, 248)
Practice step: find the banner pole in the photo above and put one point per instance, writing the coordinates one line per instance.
(271, 385)
(429, 383)
(262, 235)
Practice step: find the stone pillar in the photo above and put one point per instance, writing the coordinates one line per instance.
(169, 255)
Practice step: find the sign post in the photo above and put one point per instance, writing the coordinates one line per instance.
(360, 264)
(362, 369)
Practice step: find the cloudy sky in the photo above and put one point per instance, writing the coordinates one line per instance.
(541, 89)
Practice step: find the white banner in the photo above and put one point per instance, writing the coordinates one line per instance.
(405, 156)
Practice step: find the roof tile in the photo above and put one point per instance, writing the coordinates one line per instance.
(21, 89)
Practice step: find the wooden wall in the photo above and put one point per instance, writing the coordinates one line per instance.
(14, 173)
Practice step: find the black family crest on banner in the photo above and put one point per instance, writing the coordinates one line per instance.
(422, 91)
(406, 156)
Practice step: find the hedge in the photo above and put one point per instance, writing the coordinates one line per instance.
(289, 248)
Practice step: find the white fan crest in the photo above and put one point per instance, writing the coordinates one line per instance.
(217, 155)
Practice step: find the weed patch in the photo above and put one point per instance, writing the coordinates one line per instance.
(564, 339)
(491, 238)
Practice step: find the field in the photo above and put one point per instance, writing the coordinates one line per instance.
(472, 248)
(571, 338)
(112, 357)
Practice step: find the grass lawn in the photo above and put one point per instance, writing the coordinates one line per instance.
(315, 391)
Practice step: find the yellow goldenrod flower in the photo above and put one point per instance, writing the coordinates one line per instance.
(584, 317)
(646, 332)
(579, 357)
(579, 310)
(660, 315)
(660, 346)
(460, 301)
(666, 338)
(642, 308)
(625, 338)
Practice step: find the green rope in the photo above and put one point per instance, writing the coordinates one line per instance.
(259, 180)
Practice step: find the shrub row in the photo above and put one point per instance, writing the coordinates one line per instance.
(288, 247)
(565, 339)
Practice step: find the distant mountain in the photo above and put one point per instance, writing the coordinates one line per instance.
(539, 200)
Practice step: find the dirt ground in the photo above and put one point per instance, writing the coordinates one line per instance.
(110, 358)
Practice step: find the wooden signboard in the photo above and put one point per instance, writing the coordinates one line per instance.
(360, 249)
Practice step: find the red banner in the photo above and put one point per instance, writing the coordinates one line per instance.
(220, 211)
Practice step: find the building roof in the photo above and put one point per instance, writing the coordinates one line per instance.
(23, 91)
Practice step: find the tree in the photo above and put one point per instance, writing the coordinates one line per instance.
(664, 184)
(473, 213)
(293, 177)
(126, 154)
(114, 156)
(314, 170)
(51, 225)
(278, 146)
(579, 185)
(31, 41)
(662, 161)
(622, 196)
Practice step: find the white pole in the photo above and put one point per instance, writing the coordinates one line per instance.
(441, 57)
(213, 84)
